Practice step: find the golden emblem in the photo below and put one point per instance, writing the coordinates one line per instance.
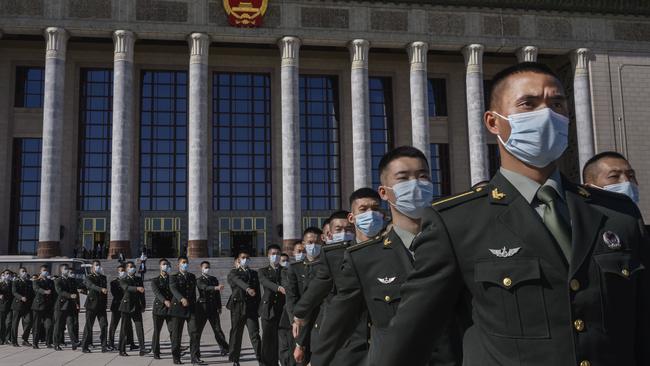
(245, 13)
(387, 242)
(498, 195)
(583, 192)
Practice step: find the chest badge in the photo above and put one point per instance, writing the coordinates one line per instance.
(386, 280)
(498, 195)
(505, 252)
(612, 240)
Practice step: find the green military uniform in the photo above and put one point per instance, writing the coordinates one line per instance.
(183, 285)
(21, 287)
(372, 274)
(271, 310)
(65, 308)
(299, 280)
(6, 300)
(160, 312)
(96, 302)
(285, 336)
(532, 304)
(322, 289)
(117, 293)
(244, 311)
(43, 310)
(208, 308)
(131, 307)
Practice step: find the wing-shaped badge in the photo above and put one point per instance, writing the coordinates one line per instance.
(505, 252)
(386, 280)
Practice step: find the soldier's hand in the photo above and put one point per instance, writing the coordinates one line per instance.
(300, 322)
(184, 302)
(73, 296)
(47, 292)
(140, 289)
(2, 297)
(282, 290)
(23, 299)
(299, 354)
(250, 292)
(295, 330)
(168, 304)
(104, 291)
(221, 287)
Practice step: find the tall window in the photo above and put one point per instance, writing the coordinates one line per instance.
(25, 195)
(95, 106)
(319, 143)
(437, 95)
(241, 151)
(163, 141)
(494, 159)
(30, 82)
(440, 172)
(381, 122)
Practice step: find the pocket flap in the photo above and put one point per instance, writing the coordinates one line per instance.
(507, 273)
(386, 293)
(622, 264)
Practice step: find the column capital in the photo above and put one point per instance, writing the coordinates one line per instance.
(527, 54)
(359, 53)
(474, 58)
(57, 39)
(417, 52)
(289, 47)
(199, 48)
(124, 41)
(580, 61)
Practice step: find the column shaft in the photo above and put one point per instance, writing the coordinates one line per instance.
(417, 52)
(478, 158)
(361, 144)
(582, 101)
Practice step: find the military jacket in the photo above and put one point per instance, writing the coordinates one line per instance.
(209, 299)
(272, 300)
(162, 292)
(65, 288)
(96, 299)
(43, 301)
(239, 302)
(132, 300)
(183, 286)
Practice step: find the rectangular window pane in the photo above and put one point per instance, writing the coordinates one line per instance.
(381, 122)
(30, 82)
(437, 94)
(440, 171)
(25, 195)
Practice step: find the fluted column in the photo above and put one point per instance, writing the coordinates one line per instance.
(289, 85)
(198, 182)
(122, 145)
(54, 94)
(527, 54)
(478, 157)
(417, 52)
(582, 101)
(361, 154)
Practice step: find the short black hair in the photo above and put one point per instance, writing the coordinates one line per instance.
(284, 255)
(337, 215)
(121, 266)
(364, 193)
(590, 165)
(45, 266)
(327, 221)
(181, 257)
(501, 76)
(62, 265)
(273, 246)
(243, 251)
(312, 230)
(97, 262)
(205, 262)
(19, 268)
(401, 152)
(163, 260)
(131, 263)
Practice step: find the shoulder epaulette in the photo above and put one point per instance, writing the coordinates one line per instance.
(456, 200)
(341, 245)
(371, 241)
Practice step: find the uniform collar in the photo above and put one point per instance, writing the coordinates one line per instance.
(405, 236)
(528, 188)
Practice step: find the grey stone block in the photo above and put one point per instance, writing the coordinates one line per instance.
(446, 24)
(161, 11)
(497, 25)
(388, 20)
(324, 18)
(624, 31)
(273, 17)
(21, 7)
(217, 14)
(89, 9)
(554, 28)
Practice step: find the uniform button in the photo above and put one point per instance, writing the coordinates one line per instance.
(387, 298)
(574, 284)
(579, 325)
(585, 363)
(507, 282)
(625, 272)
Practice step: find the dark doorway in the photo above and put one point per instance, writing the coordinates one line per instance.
(243, 241)
(163, 244)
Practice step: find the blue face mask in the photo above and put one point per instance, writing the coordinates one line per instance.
(184, 267)
(627, 188)
(313, 250)
(341, 236)
(131, 271)
(274, 259)
(300, 256)
(412, 197)
(369, 223)
(537, 138)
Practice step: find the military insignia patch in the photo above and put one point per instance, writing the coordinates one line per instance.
(386, 280)
(387, 242)
(612, 240)
(498, 195)
(505, 252)
(583, 192)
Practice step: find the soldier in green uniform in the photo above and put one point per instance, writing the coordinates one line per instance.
(23, 294)
(285, 336)
(161, 305)
(43, 308)
(322, 289)
(6, 299)
(96, 301)
(273, 300)
(132, 306)
(244, 305)
(183, 286)
(208, 306)
(117, 293)
(64, 308)
(556, 271)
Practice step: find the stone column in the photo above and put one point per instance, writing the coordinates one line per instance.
(361, 154)
(527, 54)
(122, 145)
(198, 201)
(582, 101)
(49, 233)
(478, 157)
(289, 85)
(417, 52)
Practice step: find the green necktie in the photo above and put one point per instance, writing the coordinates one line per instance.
(555, 223)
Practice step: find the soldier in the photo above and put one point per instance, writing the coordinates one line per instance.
(272, 305)
(208, 305)
(43, 308)
(183, 286)
(285, 336)
(610, 171)
(244, 307)
(323, 287)
(117, 293)
(65, 306)
(299, 275)
(6, 300)
(132, 307)
(23, 294)
(161, 305)
(96, 302)
(555, 270)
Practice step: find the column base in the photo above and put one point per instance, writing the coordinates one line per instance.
(197, 249)
(287, 245)
(119, 246)
(48, 249)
